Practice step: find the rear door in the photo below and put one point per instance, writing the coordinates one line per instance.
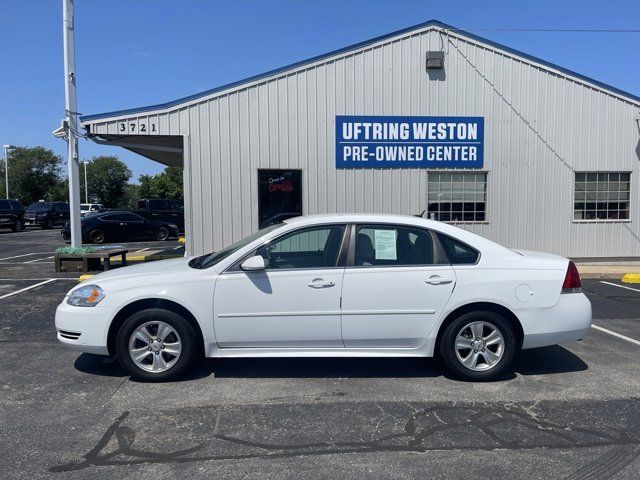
(133, 226)
(395, 287)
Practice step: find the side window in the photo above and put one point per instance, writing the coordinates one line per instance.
(114, 217)
(316, 247)
(458, 253)
(129, 217)
(392, 245)
(157, 204)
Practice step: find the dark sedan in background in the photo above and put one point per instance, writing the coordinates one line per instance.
(121, 226)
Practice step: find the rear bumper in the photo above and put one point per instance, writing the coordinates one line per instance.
(567, 321)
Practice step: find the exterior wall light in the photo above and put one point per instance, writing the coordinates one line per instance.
(435, 60)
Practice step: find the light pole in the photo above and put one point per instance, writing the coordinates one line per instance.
(86, 187)
(6, 168)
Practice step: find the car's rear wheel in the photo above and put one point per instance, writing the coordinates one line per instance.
(96, 236)
(162, 234)
(156, 345)
(478, 346)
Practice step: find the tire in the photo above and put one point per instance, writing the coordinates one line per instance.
(17, 226)
(478, 365)
(96, 236)
(48, 225)
(162, 234)
(147, 320)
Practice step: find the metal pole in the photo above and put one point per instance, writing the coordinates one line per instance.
(71, 109)
(6, 170)
(86, 187)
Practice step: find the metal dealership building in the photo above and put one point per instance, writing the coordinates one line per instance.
(427, 119)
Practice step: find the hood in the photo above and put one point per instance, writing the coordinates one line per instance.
(151, 269)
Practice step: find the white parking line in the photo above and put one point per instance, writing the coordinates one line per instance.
(143, 250)
(25, 255)
(620, 286)
(628, 339)
(27, 288)
(38, 259)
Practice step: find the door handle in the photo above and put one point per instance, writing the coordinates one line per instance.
(320, 283)
(437, 280)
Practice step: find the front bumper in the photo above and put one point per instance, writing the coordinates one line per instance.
(84, 328)
(567, 321)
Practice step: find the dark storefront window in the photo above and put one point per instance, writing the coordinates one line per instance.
(602, 196)
(457, 197)
(279, 195)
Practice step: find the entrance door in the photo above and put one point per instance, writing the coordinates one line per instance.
(294, 302)
(279, 195)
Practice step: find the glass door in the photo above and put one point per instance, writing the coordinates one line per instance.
(279, 195)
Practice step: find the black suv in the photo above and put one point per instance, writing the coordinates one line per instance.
(11, 213)
(46, 214)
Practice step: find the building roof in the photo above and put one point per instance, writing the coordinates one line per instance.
(435, 24)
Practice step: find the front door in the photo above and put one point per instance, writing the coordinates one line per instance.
(295, 302)
(279, 196)
(396, 288)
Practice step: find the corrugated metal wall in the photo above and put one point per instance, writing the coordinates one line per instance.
(540, 127)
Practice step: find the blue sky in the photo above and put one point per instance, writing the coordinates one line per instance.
(140, 52)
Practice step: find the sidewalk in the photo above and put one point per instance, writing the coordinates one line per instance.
(612, 271)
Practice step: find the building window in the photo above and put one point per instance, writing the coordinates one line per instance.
(601, 196)
(457, 197)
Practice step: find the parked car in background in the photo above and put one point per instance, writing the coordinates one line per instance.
(171, 211)
(11, 215)
(46, 214)
(121, 226)
(333, 285)
(86, 208)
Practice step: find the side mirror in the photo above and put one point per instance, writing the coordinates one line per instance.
(253, 264)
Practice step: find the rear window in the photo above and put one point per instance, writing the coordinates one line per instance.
(40, 206)
(458, 253)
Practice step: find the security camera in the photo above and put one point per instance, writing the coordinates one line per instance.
(61, 132)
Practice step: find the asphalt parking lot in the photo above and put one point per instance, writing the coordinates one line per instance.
(570, 411)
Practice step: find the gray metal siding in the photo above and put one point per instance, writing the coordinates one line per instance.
(540, 126)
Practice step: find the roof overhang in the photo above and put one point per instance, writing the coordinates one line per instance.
(165, 149)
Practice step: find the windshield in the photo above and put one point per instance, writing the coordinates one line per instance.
(39, 206)
(84, 206)
(210, 259)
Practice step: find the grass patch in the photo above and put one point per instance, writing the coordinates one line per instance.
(76, 250)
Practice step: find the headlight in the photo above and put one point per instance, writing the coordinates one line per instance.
(88, 296)
(173, 225)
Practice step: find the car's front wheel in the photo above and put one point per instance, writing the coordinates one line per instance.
(162, 234)
(17, 226)
(478, 346)
(156, 345)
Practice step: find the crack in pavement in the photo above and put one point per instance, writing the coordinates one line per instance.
(486, 426)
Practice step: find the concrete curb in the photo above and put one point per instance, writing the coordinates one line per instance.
(631, 278)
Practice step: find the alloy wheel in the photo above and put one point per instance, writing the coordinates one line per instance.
(479, 346)
(155, 346)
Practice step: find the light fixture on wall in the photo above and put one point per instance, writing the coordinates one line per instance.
(435, 60)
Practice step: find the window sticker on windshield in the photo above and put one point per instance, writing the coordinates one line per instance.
(385, 244)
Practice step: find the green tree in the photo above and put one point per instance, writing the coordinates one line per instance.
(130, 196)
(167, 184)
(107, 178)
(33, 174)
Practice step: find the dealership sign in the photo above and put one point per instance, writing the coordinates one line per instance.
(409, 142)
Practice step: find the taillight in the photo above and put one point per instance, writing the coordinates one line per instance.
(572, 280)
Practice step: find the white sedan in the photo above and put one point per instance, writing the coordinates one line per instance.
(328, 286)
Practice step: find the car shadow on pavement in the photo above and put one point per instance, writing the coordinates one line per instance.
(539, 361)
(548, 360)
